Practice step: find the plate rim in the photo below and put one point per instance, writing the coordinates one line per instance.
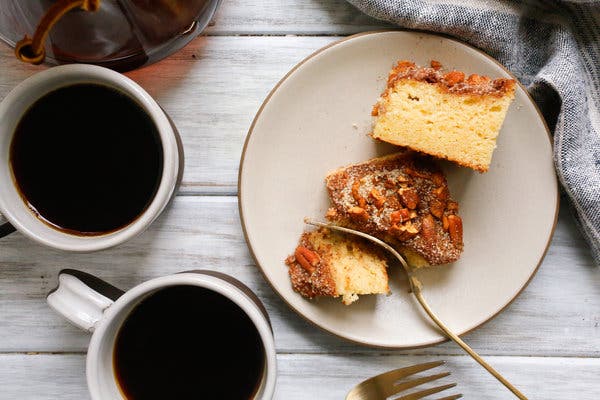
(251, 130)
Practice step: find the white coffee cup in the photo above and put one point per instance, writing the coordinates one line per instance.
(13, 210)
(100, 308)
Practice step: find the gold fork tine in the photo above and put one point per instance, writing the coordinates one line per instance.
(389, 378)
(419, 381)
(384, 385)
(408, 371)
(426, 392)
(453, 397)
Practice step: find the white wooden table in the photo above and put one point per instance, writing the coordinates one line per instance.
(547, 342)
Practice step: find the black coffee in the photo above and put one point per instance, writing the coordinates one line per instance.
(87, 159)
(187, 342)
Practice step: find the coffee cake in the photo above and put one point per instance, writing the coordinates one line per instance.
(402, 199)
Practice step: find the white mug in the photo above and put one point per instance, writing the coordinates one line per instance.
(14, 213)
(101, 308)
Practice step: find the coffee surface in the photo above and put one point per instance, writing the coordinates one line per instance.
(188, 342)
(87, 159)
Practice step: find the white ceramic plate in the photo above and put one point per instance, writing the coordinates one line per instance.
(318, 118)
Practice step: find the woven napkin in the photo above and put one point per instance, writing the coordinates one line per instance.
(553, 47)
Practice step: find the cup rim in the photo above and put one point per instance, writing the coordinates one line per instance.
(65, 75)
(220, 285)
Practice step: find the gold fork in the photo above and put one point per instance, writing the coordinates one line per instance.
(416, 288)
(388, 384)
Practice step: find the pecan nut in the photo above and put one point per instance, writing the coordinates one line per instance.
(475, 79)
(362, 203)
(399, 216)
(377, 197)
(437, 207)
(404, 232)
(428, 229)
(358, 213)
(435, 64)
(455, 229)
(454, 77)
(409, 197)
(452, 206)
(438, 179)
(445, 223)
(308, 259)
(438, 204)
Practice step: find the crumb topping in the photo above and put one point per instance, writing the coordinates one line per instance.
(454, 81)
(403, 199)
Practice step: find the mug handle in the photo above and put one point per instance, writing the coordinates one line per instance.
(82, 298)
(5, 226)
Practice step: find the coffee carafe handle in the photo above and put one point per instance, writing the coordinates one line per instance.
(31, 50)
(5, 226)
(82, 298)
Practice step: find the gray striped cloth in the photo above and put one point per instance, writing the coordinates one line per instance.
(553, 47)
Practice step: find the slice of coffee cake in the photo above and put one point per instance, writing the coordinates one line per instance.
(446, 115)
(327, 263)
(402, 199)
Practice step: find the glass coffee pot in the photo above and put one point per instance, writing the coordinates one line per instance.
(118, 34)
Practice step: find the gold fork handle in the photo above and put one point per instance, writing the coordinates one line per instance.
(416, 288)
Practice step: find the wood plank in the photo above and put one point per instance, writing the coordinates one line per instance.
(324, 377)
(558, 314)
(211, 89)
(277, 17)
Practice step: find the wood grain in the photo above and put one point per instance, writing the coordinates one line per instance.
(301, 377)
(290, 17)
(204, 232)
(547, 342)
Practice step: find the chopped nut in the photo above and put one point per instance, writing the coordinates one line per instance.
(358, 213)
(452, 206)
(428, 229)
(308, 259)
(437, 207)
(402, 178)
(375, 110)
(409, 197)
(477, 79)
(441, 193)
(454, 77)
(378, 198)
(436, 64)
(389, 184)
(445, 222)
(503, 84)
(438, 179)
(399, 216)
(455, 229)
(356, 194)
(404, 232)
(402, 65)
